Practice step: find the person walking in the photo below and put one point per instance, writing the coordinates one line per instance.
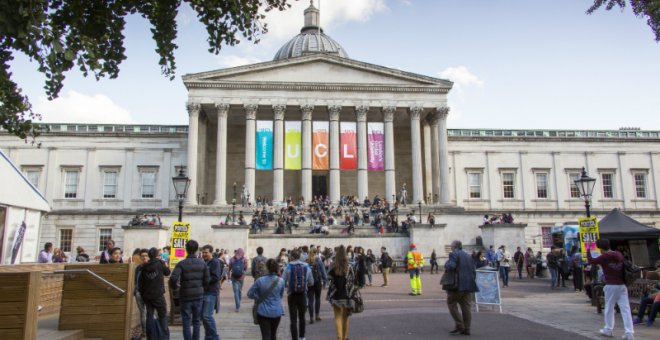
(237, 268)
(386, 265)
(576, 265)
(553, 266)
(192, 275)
(615, 288)
(298, 279)
(415, 265)
(341, 290)
(434, 262)
(314, 292)
(563, 269)
(151, 286)
(519, 259)
(504, 260)
(462, 263)
(267, 292)
(210, 304)
(143, 256)
(371, 260)
(258, 265)
(530, 263)
(361, 266)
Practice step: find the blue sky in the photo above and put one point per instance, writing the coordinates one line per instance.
(516, 64)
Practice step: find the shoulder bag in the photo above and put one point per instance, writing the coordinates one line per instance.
(255, 317)
(449, 279)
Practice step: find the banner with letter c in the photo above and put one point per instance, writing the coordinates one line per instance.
(376, 147)
(264, 145)
(320, 156)
(348, 146)
(292, 145)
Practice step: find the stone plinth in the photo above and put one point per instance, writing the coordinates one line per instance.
(426, 239)
(510, 235)
(230, 237)
(145, 236)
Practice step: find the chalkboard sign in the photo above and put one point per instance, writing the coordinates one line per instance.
(489, 289)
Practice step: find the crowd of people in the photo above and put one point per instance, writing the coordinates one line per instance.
(151, 220)
(498, 219)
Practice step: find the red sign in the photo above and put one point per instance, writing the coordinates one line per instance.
(348, 146)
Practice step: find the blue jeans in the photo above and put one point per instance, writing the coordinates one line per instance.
(208, 309)
(504, 273)
(553, 276)
(193, 308)
(237, 285)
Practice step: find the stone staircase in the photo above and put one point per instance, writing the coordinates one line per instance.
(47, 330)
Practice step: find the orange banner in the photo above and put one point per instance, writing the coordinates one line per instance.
(320, 155)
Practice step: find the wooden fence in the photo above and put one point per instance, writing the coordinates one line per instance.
(50, 287)
(18, 305)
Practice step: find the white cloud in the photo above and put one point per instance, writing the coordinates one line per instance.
(461, 76)
(75, 107)
(232, 60)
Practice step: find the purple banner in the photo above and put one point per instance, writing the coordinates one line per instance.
(376, 147)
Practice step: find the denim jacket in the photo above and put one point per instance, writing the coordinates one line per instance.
(271, 307)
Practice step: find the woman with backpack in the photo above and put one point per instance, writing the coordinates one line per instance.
(341, 291)
(314, 292)
(237, 267)
(267, 291)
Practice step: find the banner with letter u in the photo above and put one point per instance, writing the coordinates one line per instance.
(320, 156)
(348, 146)
(292, 145)
(264, 145)
(376, 146)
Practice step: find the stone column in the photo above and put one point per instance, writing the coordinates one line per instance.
(435, 156)
(278, 153)
(221, 155)
(428, 180)
(362, 174)
(390, 180)
(416, 142)
(333, 115)
(250, 136)
(193, 129)
(306, 186)
(444, 154)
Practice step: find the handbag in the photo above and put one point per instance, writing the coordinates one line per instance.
(358, 304)
(255, 316)
(449, 279)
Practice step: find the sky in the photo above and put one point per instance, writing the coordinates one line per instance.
(515, 64)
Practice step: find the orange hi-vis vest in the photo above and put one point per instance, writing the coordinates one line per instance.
(415, 259)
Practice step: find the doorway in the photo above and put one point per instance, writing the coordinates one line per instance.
(320, 185)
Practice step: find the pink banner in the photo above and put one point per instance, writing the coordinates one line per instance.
(376, 147)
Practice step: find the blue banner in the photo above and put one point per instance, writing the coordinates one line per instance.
(264, 145)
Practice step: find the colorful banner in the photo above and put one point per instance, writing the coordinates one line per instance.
(19, 235)
(264, 145)
(376, 146)
(180, 236)
(588, 236)
(292, 145)
(347, 146)
(320, 142)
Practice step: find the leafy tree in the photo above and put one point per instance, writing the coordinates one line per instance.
(62, 34)
(642, 8)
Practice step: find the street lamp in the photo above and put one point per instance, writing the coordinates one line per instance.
(181, 184)
(233, 207)
(585, 185)
(419, 204)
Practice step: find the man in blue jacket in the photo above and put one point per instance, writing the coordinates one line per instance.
(467, 285)
(298, 278)
(192, 276)
(211, 293)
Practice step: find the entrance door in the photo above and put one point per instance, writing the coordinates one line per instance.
(320, 185)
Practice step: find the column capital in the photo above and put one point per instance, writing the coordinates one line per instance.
(361, 113)
(432, 118)
(415, 112)
(193, 109)
(223, 109)
(307, 111)
(278, 111)
(333, 112)
(251, 111)
(388, 113)
(442, 112)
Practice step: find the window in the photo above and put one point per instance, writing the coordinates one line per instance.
(542, 185)
(546, 233)
(640, 184)
(608, 184)
(508, 188)
(148, 183)
(66, 235)
(71, 183)
(109, 183)
(105, 235)
(572, 176)
(33, 176)
(474, 183)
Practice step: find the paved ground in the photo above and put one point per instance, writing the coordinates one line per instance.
(530, 310)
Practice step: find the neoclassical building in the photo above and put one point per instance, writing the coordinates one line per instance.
(314, 122)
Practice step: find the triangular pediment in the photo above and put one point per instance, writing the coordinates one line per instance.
(317, 68)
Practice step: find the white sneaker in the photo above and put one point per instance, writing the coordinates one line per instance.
(605, 332)
(628, 336)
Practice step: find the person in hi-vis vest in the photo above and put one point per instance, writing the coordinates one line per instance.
(415, 264)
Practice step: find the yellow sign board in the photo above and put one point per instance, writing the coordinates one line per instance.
(180, 236)
(588, 236)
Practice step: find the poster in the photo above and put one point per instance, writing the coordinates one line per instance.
(375, 147)
(489, 288)
(570, 233)
(292, 145)
(347, 146)
(264, 145)
(320, 156)
(180, 235)
(588, 236)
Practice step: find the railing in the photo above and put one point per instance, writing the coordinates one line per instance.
(93, 274)
(586, 134)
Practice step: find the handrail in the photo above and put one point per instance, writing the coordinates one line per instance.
(97, 276)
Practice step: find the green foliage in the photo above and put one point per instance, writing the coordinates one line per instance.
(62, 34)
(642, 8)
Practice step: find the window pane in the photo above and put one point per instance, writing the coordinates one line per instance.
(546, 232)
(65, 239)
(507, 184)
(71, 184)
(474, 181)
(110, 184)
(608, 186)
(640, 185)
(542, 185)
(148, 184)
(105, 235)
(575, 192)
(33, 177)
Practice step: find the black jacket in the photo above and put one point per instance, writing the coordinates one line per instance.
(150, 279)
(193, 276)
(215, 273)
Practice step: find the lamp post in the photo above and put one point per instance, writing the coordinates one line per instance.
(181, 184)
(419, 204)
(233, 207)
(586, 185)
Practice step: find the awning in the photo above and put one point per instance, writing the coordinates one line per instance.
(618, 226)
(17, 191)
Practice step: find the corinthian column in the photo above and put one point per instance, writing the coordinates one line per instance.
(307, 152)
(390, 184)
(444, 154)
(221, 156)
(362, 174)
(278, 153)
(416, 142)
(250, 139)
(333, 114)
(193, 131)
(435, 154)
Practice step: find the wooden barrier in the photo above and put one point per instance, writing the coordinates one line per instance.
(18, 305)
(90, 305)
(50, 288)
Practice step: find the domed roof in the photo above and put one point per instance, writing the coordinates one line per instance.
(310, 40)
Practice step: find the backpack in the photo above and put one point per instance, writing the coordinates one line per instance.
(388, 262)
(316, 274)
(237, 269)
(297, 279)
(631, 272)
(531, 260)
(260, 267)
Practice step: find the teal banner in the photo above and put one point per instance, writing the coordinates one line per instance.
(264, 145)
